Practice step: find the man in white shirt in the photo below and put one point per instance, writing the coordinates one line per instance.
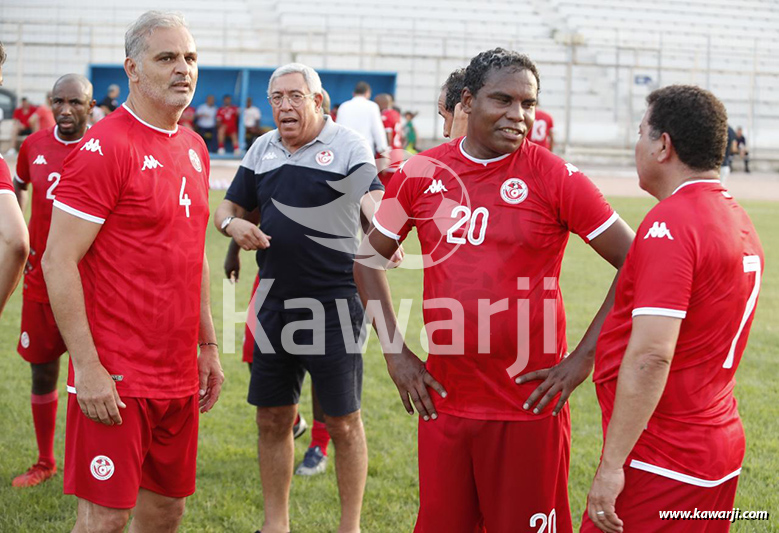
(205, 120)
(363, 116)
(251, 121)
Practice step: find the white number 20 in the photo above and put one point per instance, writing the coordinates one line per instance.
(548, 523)
(466, 215)
(751, 264)
(184, 197)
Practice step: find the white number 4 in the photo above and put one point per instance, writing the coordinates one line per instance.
(183, 197)
(751, 264)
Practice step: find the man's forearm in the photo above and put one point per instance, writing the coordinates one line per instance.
(641, 381)
(372, 285)
(66, 294)
(206, 332)
(14, 247)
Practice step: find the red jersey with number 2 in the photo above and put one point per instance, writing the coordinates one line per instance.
(148, 188)
(696, 257)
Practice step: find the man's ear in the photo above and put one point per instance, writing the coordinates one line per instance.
(131, 69)
(466, 99)
(318, 99)
(666, 148)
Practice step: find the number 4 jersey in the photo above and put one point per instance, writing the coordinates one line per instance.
(696, 257)
(40, 164)
(493, 234)
(148, 189)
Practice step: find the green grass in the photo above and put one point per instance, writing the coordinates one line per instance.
(229, 497)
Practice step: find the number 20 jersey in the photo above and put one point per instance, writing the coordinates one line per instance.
(148, 188)
(696, 257)
(492, 233)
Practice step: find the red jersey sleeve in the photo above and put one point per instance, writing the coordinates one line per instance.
(5, 177)
(664, 264)
(583, 209)
(92, 179)
(395, 215)
(22, 163)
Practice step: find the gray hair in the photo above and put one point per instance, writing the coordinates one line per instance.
(309, 74)
(141, 29)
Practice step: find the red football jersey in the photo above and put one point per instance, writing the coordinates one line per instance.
(391, 120)
(696, 257)
(227, 115)
(541, 128)
(40, 163)
(6, 186)
(493, 234)
(148, 188)
(24, 116)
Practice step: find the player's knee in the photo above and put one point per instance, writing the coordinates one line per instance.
(97, 519)
(275, 421)
(44, 377)
(345, 427)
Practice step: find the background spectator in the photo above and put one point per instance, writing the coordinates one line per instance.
(111, 100)
(741, 147)
(410, 133)
(21, 127)
(364, 117)
(227, 123)
(187, 119)
(205, 120)
(43, 118)
(251, 121)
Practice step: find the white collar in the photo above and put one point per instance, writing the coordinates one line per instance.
(693, 181)
(170, 133)
(484, 162)
(63, 141)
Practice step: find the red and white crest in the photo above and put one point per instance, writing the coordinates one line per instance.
(102, 467)
(325, 157)
(513, 191)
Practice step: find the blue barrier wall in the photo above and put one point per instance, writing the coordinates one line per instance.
(243, 82)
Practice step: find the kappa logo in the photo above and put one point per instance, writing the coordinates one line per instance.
(269, 155)
(325, 157)
(92, 145)
(658, 231)
(436, 187)
(150, 163)
(102, 468)
(195, 160)
(513, 191)
(40, 160)
(571, 169)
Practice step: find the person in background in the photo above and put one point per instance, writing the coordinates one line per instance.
(363, 116)
(449, 107)
(741, 148)
(227, 124)
(543, 130)
(187, 119)
(410, 133)
(43, 118)
(205, 120)
(111, 100)
(21, 126)
(251, 121)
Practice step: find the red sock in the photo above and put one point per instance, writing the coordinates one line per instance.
(319, 436)
(297, 420)
(44, 416)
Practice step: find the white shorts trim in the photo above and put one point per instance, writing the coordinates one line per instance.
(384, 231)
(603, 227)
(678, 476)
(659, 311)
(71, 390)
(77, 213)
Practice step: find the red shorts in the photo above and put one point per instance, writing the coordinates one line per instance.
(494, 475)
(230, 129)
(646, 494)
(248, 338)
(40, 341)
(155, 448)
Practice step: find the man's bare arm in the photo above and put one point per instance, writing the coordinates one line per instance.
(210, 372)
(20, 189)
(70, 238)
(14, 247)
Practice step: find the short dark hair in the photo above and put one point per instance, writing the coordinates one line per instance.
(480, 66)
(696, 121)
(362, 87)
(2, 54)
(454, 87)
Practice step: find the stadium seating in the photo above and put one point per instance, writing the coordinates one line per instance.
(621, 48)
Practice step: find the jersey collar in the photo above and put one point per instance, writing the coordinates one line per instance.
(484, 162)
(63, 141)
(686, 183)
(169, 133)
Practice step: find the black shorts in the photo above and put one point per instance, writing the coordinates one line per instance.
(334, 361)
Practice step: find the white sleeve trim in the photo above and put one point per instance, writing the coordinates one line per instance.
(659, 311)
(603, 227)
(678, 476)
(71, 390)
(77, 213)
(384, 231)
(19, 180)
(6, 191)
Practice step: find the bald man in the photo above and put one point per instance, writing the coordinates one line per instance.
(40, 343)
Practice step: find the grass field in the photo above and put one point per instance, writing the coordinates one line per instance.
(229, 496)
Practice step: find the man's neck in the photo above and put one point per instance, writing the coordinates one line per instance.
(72, 137)
(160, 117)
(680, 177)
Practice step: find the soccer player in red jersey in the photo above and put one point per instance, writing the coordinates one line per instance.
(14, 240)
(227, 121)
(542, 133)
(449, 106)
(493, 213)
(390, 119)
(129, 286)
(40, 343)
(668, 352)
